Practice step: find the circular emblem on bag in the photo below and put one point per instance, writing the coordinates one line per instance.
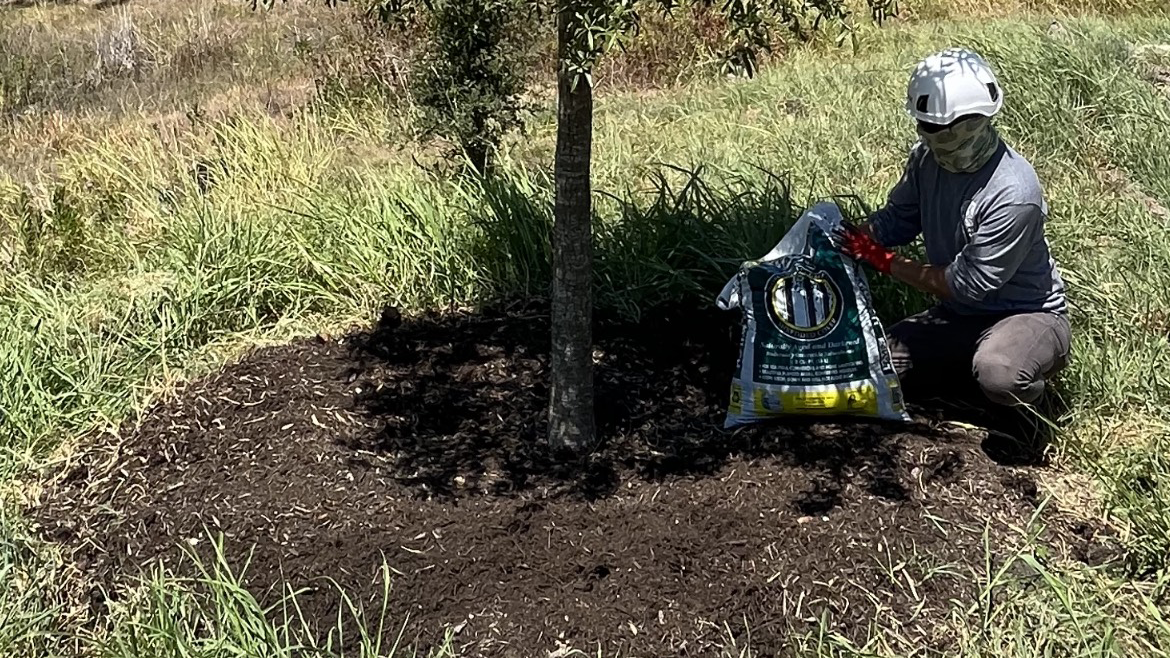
(804, 305)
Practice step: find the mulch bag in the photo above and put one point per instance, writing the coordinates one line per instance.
(811, 342)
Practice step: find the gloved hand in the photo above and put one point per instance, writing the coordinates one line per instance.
(854, 243)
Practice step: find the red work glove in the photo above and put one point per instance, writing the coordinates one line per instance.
(857, 245)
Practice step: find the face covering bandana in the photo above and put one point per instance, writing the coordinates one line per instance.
(965, 146)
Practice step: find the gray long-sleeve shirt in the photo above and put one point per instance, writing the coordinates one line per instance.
(986, 228)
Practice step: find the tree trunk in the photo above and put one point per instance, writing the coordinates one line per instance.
(571, 421)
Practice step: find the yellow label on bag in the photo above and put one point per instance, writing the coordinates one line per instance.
(896, 397)
(855, 400)
(736, 405)
(762, 401)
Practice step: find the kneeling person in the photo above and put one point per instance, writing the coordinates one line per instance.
(980, 209)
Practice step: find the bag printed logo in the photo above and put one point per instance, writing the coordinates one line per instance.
(804, 305)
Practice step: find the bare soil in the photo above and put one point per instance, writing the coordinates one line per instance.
(419, 443)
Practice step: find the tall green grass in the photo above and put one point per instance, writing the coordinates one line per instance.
(120, 272)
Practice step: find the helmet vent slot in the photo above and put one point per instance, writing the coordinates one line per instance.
(922, 100)
(993, 91)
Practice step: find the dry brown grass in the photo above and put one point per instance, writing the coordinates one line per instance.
(945, 9)
(73, 71)
(70, 72)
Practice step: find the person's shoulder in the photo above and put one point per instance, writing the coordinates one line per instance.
(1015, 181)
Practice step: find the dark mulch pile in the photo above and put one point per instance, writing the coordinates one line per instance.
(420, 443)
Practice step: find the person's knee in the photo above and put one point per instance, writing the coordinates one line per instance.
(1006, 383)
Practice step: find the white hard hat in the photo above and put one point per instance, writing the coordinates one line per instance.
(951, 84)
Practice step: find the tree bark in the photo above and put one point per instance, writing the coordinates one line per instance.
(571, 420)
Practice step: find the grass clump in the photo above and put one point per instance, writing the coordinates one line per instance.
(30, 625)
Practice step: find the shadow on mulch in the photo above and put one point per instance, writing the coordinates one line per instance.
(421, 444)
(472, 415)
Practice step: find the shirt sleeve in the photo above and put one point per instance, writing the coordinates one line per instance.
(899, 221)
(995, 251)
